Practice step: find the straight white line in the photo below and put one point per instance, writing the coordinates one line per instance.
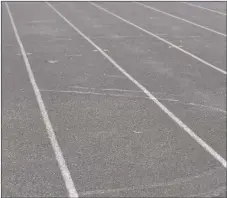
(204, 8)
(182, 19)
(163, 40)
(57, 150)
(153, 98)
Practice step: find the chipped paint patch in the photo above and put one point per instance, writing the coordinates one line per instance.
(137, 132)
(52, 61)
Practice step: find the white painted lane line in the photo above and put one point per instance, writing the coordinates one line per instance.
(215, 11)
(57, 150)
(182, 19)
(161, 39)
(153, 98)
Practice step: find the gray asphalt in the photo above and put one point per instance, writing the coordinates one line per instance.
(115, 142)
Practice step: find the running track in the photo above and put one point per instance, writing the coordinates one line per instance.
(113, 99)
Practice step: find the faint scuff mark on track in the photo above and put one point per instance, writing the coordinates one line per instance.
(207, 107)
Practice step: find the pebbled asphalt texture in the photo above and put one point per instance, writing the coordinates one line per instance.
(116, 141)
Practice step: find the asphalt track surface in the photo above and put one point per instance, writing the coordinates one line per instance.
(84, 120)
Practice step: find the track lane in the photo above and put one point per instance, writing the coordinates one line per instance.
(204, 46)
(28, 163)
(154, 70)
